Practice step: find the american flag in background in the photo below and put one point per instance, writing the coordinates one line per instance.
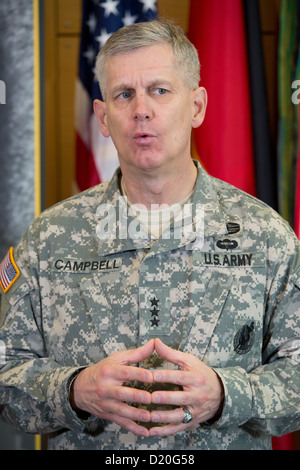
(96, 156)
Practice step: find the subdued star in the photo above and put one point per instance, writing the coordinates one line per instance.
(154, 321)
(154, 301)
(154, 311)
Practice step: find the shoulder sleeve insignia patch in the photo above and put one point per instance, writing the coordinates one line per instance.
(9, 271)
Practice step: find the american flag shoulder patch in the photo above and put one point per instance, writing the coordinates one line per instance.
(9, 271)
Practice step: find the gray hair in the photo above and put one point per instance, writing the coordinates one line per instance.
(139, 35)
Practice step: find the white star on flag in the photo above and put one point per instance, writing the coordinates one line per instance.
(110, 7)
(90, 54)
(148, 5)
(103, 37)
(92, 23)
(128, 18)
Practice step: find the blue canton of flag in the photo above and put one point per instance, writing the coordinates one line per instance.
(96, 156)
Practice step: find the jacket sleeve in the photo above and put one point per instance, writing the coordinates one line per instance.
(34, 388)
(267, 399)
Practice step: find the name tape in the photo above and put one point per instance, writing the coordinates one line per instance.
(80, 266)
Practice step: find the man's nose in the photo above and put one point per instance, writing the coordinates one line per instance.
(142, 108)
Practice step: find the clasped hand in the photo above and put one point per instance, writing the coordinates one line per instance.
(99, 390)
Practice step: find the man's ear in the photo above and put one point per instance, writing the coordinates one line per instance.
(199, 106)
(100, 112)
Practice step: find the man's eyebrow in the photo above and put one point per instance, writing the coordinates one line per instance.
(160, 82)
(119, 88)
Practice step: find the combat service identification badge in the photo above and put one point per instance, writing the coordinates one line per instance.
(244, 339)
(9, 271)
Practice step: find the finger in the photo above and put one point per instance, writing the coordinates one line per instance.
(172, 355)
(137, 355)
(130, 395)
(180, 398)
(167, 416)
(127, 424)
(126, 373)
(177, 377)
(167, 430)
(124, 410)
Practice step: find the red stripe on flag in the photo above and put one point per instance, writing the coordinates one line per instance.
(224, 142)
(3, 266)
(86, 172)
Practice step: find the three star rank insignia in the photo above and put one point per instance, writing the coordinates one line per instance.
(154, 312)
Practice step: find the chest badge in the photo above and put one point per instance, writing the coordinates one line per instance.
(233, 227)
(244, 339)
(227, 244)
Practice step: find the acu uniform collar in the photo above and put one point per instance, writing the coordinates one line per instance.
(112, 216)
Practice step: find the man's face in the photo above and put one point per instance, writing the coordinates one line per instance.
(148, 111)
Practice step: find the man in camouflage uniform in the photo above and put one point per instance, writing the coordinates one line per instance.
(181, 334)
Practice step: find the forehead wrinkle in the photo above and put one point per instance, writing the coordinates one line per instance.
(127, 71)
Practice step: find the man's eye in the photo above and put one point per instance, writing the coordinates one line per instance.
(161, 91)
(124, 95)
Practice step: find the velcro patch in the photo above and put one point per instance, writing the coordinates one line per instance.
(9, 271)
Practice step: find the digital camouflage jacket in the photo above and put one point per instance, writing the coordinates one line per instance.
(222, 283)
